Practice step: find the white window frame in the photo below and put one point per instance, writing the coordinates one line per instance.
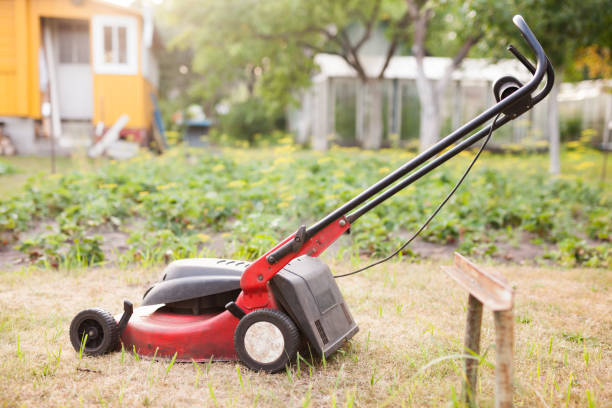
(98, 23)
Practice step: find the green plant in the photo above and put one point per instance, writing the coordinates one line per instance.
(570, 128)
(189, 203)
(249, 120)
(6, 168)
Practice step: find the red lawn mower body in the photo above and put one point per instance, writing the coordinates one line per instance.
(154, 332)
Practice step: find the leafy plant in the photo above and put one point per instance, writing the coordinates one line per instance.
(241, 202)
(6, 168)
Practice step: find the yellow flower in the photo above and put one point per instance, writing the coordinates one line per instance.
(286, 140)
(282, 160)
(109, 186)
(584, 165)
(203, 237)
(165, 186)
(236, 184)
(218, 168)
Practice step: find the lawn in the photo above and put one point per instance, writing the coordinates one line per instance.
(411, 319)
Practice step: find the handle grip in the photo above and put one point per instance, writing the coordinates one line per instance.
(293, 245)
(522, 58)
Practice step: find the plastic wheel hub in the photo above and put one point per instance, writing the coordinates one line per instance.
(92, 329)
(264, 342)
(94, 332)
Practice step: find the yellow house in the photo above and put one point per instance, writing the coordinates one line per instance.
(69, 65)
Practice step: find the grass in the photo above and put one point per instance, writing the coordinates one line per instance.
(411, 319)
(28, 166)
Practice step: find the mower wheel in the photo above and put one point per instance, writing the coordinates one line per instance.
(266, 340)
(101, 329)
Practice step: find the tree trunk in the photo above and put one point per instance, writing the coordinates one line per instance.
(430, 113)
(554, 137)
(430, 123)
(359, 112)
(372, 137)
(320, 130)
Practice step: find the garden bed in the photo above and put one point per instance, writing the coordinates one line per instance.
(238, 203)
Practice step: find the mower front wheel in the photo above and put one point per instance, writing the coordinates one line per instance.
(266, 340)
(95, 331)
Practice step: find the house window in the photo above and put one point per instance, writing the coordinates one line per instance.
(115, 45)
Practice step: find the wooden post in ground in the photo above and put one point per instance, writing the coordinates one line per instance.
(493, 291)
(504, 342)
(472, 348)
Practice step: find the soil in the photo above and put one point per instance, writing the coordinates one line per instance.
(520, 251)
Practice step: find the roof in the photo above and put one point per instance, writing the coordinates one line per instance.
(404, 67)
(121, 5)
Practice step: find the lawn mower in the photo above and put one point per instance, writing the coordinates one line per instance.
(261, 312)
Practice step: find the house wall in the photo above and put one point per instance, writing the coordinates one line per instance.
(114, 94)
(20, 40)
(13, 58)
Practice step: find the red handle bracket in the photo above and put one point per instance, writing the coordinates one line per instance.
(254, 282)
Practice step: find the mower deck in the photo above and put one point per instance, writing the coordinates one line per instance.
(192, 337)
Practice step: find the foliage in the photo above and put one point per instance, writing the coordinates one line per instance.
(592, 62)
(6, 168)
(248, 119)
(58, 248)
(232, 58)
(191, 203)
(571, 128)
(563, 28)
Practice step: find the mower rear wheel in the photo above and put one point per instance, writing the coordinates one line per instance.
(101, 330)
(266, 340)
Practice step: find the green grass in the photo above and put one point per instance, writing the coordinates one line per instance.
(24, 167)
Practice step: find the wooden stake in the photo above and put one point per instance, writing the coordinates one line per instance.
(504, 343)
(472, 345)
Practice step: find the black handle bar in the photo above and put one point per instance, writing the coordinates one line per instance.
(542, 67)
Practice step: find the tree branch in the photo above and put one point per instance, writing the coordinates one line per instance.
(457, 60)
(369, 25)
(402, 24)
(353, 55)
(465, 49)
(420, 20)
(347, 51)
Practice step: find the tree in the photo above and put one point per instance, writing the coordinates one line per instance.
(230, 61)
(422, 15)
(266, 48)
(562, 27)
(270, 45)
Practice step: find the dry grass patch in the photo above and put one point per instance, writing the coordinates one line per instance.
(409, 315)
